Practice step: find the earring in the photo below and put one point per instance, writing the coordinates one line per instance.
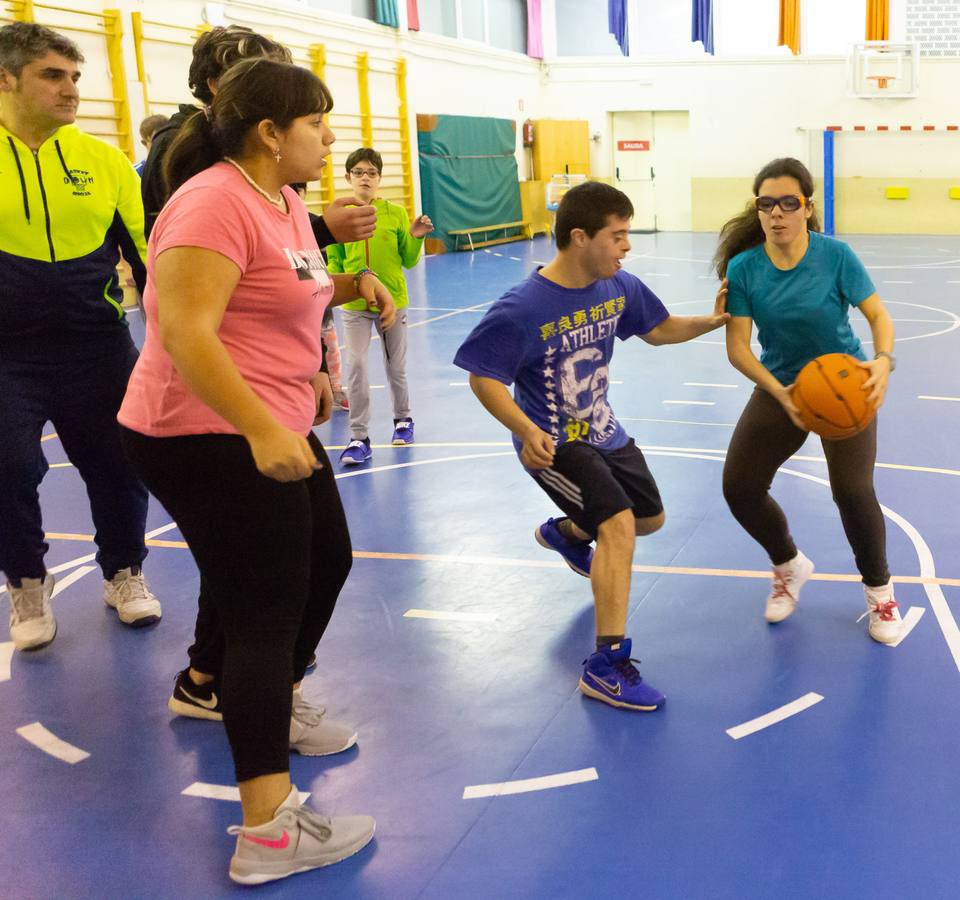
(276, 155)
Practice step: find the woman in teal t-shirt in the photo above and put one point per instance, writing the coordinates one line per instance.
(798, 287)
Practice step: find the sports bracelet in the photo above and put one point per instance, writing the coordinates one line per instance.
(890, 358)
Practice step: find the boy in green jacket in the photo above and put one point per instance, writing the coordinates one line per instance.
(395, 245)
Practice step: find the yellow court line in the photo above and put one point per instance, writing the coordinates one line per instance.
(49, 437)
(551, 564)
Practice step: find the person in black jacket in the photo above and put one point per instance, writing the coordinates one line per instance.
(213, 53)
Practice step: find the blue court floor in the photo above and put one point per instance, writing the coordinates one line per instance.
(854, 796)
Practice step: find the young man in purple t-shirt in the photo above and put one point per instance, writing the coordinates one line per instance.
(553, 336)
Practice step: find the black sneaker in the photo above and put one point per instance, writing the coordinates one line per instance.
(312, 662)
(198, 701)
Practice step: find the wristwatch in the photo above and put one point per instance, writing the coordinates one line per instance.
(359, 276)
(890, 358)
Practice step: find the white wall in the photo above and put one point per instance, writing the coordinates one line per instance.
(745, 112)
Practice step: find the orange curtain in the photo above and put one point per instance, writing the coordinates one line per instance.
(790, 25)
(878, 20)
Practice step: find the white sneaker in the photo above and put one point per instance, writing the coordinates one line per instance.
(32, 625)
(884, 623)
(128, 594)
(295, 840)
(788, 579)
(313, 734)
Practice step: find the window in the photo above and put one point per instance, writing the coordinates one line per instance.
(499, 23)
(362, 9)
(582, 29)
(438, 17)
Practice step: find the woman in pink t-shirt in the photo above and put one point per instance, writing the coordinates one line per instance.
(217, 421)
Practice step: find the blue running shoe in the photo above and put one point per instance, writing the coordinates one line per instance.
(402, 432)
(610, 675)
(576, 554)
(356, 452)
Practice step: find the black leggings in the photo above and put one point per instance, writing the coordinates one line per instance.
(764, 439)
(272, 556)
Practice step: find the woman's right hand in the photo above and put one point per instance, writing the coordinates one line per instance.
(282, 454)
(785, 396)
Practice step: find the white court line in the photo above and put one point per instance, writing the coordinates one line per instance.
(459, 384)
(450, 616)
(909, 623)
(48, 742)
(655, 274)
(680, 422)
(927, 397)
(222, 792)
(6, 657)
(420, 462)
(377, 387)
(691, 402)
(526, 785)
(708, 384)
(774, 716)
(516, 259)
(896, 282)
(616, 382)
(158, 531)
(75, 575)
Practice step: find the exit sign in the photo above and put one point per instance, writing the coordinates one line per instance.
(633, 145)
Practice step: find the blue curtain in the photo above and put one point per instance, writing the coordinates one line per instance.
(703, 23)
(387, 13)
(617, 15)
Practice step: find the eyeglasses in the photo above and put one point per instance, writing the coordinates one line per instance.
(359, 173)
(789, 203)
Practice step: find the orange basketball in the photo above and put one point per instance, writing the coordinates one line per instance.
(829, 394)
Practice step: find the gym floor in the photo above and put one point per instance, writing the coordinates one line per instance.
(852, 796)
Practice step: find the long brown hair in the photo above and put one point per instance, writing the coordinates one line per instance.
(745, 231)
(250, 91)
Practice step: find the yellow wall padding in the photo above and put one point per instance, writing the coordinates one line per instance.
(790, 25)
(878, 20)
(955, 193)
(898, 193)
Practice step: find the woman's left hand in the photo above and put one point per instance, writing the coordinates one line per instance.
(378, 299)
(324, 394)
(876, 383)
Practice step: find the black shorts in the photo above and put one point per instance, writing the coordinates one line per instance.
(591, 486)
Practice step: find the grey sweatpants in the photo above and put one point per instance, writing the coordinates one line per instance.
(356, 338)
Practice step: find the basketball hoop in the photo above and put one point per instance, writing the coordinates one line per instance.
(884, 69)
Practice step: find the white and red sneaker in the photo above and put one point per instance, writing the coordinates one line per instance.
(884, 624)
(788, 579)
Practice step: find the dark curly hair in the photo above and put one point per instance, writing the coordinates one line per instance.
(219, 48)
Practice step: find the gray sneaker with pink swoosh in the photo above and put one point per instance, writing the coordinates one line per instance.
(295, 840)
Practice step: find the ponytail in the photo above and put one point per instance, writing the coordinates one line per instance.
(744, 231)
(195, 148)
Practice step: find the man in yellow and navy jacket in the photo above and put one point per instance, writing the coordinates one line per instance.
(68, 203)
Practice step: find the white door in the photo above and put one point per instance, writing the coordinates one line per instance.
(632, 143)
(671, 171)
(651, 165)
